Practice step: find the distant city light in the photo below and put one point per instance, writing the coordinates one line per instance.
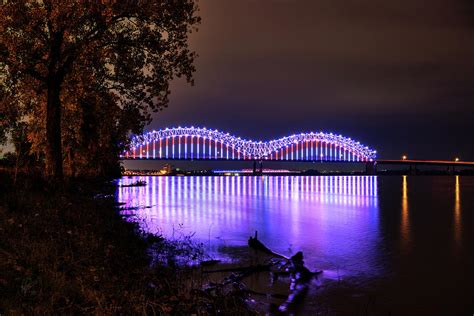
(404, 157)
(456, 159)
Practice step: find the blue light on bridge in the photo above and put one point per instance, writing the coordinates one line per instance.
(298, 147)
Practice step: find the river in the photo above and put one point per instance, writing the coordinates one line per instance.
(387, 245)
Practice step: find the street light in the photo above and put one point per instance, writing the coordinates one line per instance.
(456, 159)
(404, 157)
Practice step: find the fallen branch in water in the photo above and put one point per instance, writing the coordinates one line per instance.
(254, 243)
(207, 263)
(134, 208)
(238, 277)
(300, 279)
(293, 267)
(300, 275)
(139, 183)
(235, 279)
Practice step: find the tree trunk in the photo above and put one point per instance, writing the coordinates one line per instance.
(54, 156)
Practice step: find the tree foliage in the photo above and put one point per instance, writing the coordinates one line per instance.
(82, 74)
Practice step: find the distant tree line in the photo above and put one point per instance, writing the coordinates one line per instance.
(78, 76)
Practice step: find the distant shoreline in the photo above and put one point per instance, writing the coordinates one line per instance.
(207, 173)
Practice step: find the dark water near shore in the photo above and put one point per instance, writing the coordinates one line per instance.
(387, 245)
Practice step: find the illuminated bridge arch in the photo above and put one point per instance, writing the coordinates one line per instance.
(194, 143)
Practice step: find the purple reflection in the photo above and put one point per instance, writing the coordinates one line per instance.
(332, 219)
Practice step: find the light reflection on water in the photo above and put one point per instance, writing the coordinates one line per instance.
(405, 221)
(332, 219)
(457, 212)
(387, 238)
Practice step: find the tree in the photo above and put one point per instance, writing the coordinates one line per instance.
(62, 58)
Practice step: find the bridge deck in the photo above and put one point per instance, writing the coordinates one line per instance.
(425, 162)
(378, 161)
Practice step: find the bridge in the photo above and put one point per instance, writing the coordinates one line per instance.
(200, 143)
(412, 164)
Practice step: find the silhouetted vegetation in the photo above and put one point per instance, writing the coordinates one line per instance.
(68, 251)
(76, 77)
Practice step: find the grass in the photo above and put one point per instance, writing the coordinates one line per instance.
(67, 250)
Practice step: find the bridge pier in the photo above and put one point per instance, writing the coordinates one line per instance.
(451, 170)
(258, 171)
(412, 171)
(371, 168)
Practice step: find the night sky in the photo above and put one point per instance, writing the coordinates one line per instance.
(396, 75)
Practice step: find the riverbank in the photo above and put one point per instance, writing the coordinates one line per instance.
(67, 250)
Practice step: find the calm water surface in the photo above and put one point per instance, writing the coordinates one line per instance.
(387, 245)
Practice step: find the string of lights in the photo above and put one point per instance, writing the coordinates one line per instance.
(188, 140)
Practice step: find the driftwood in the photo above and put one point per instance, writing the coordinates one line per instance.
(134, 208)
(300, 275)
(207, 263)
(139, 183)
(254, 243)
(237, 277)
(293, 267)
(300, 279)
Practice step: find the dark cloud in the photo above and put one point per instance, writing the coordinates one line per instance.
(399, 75)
